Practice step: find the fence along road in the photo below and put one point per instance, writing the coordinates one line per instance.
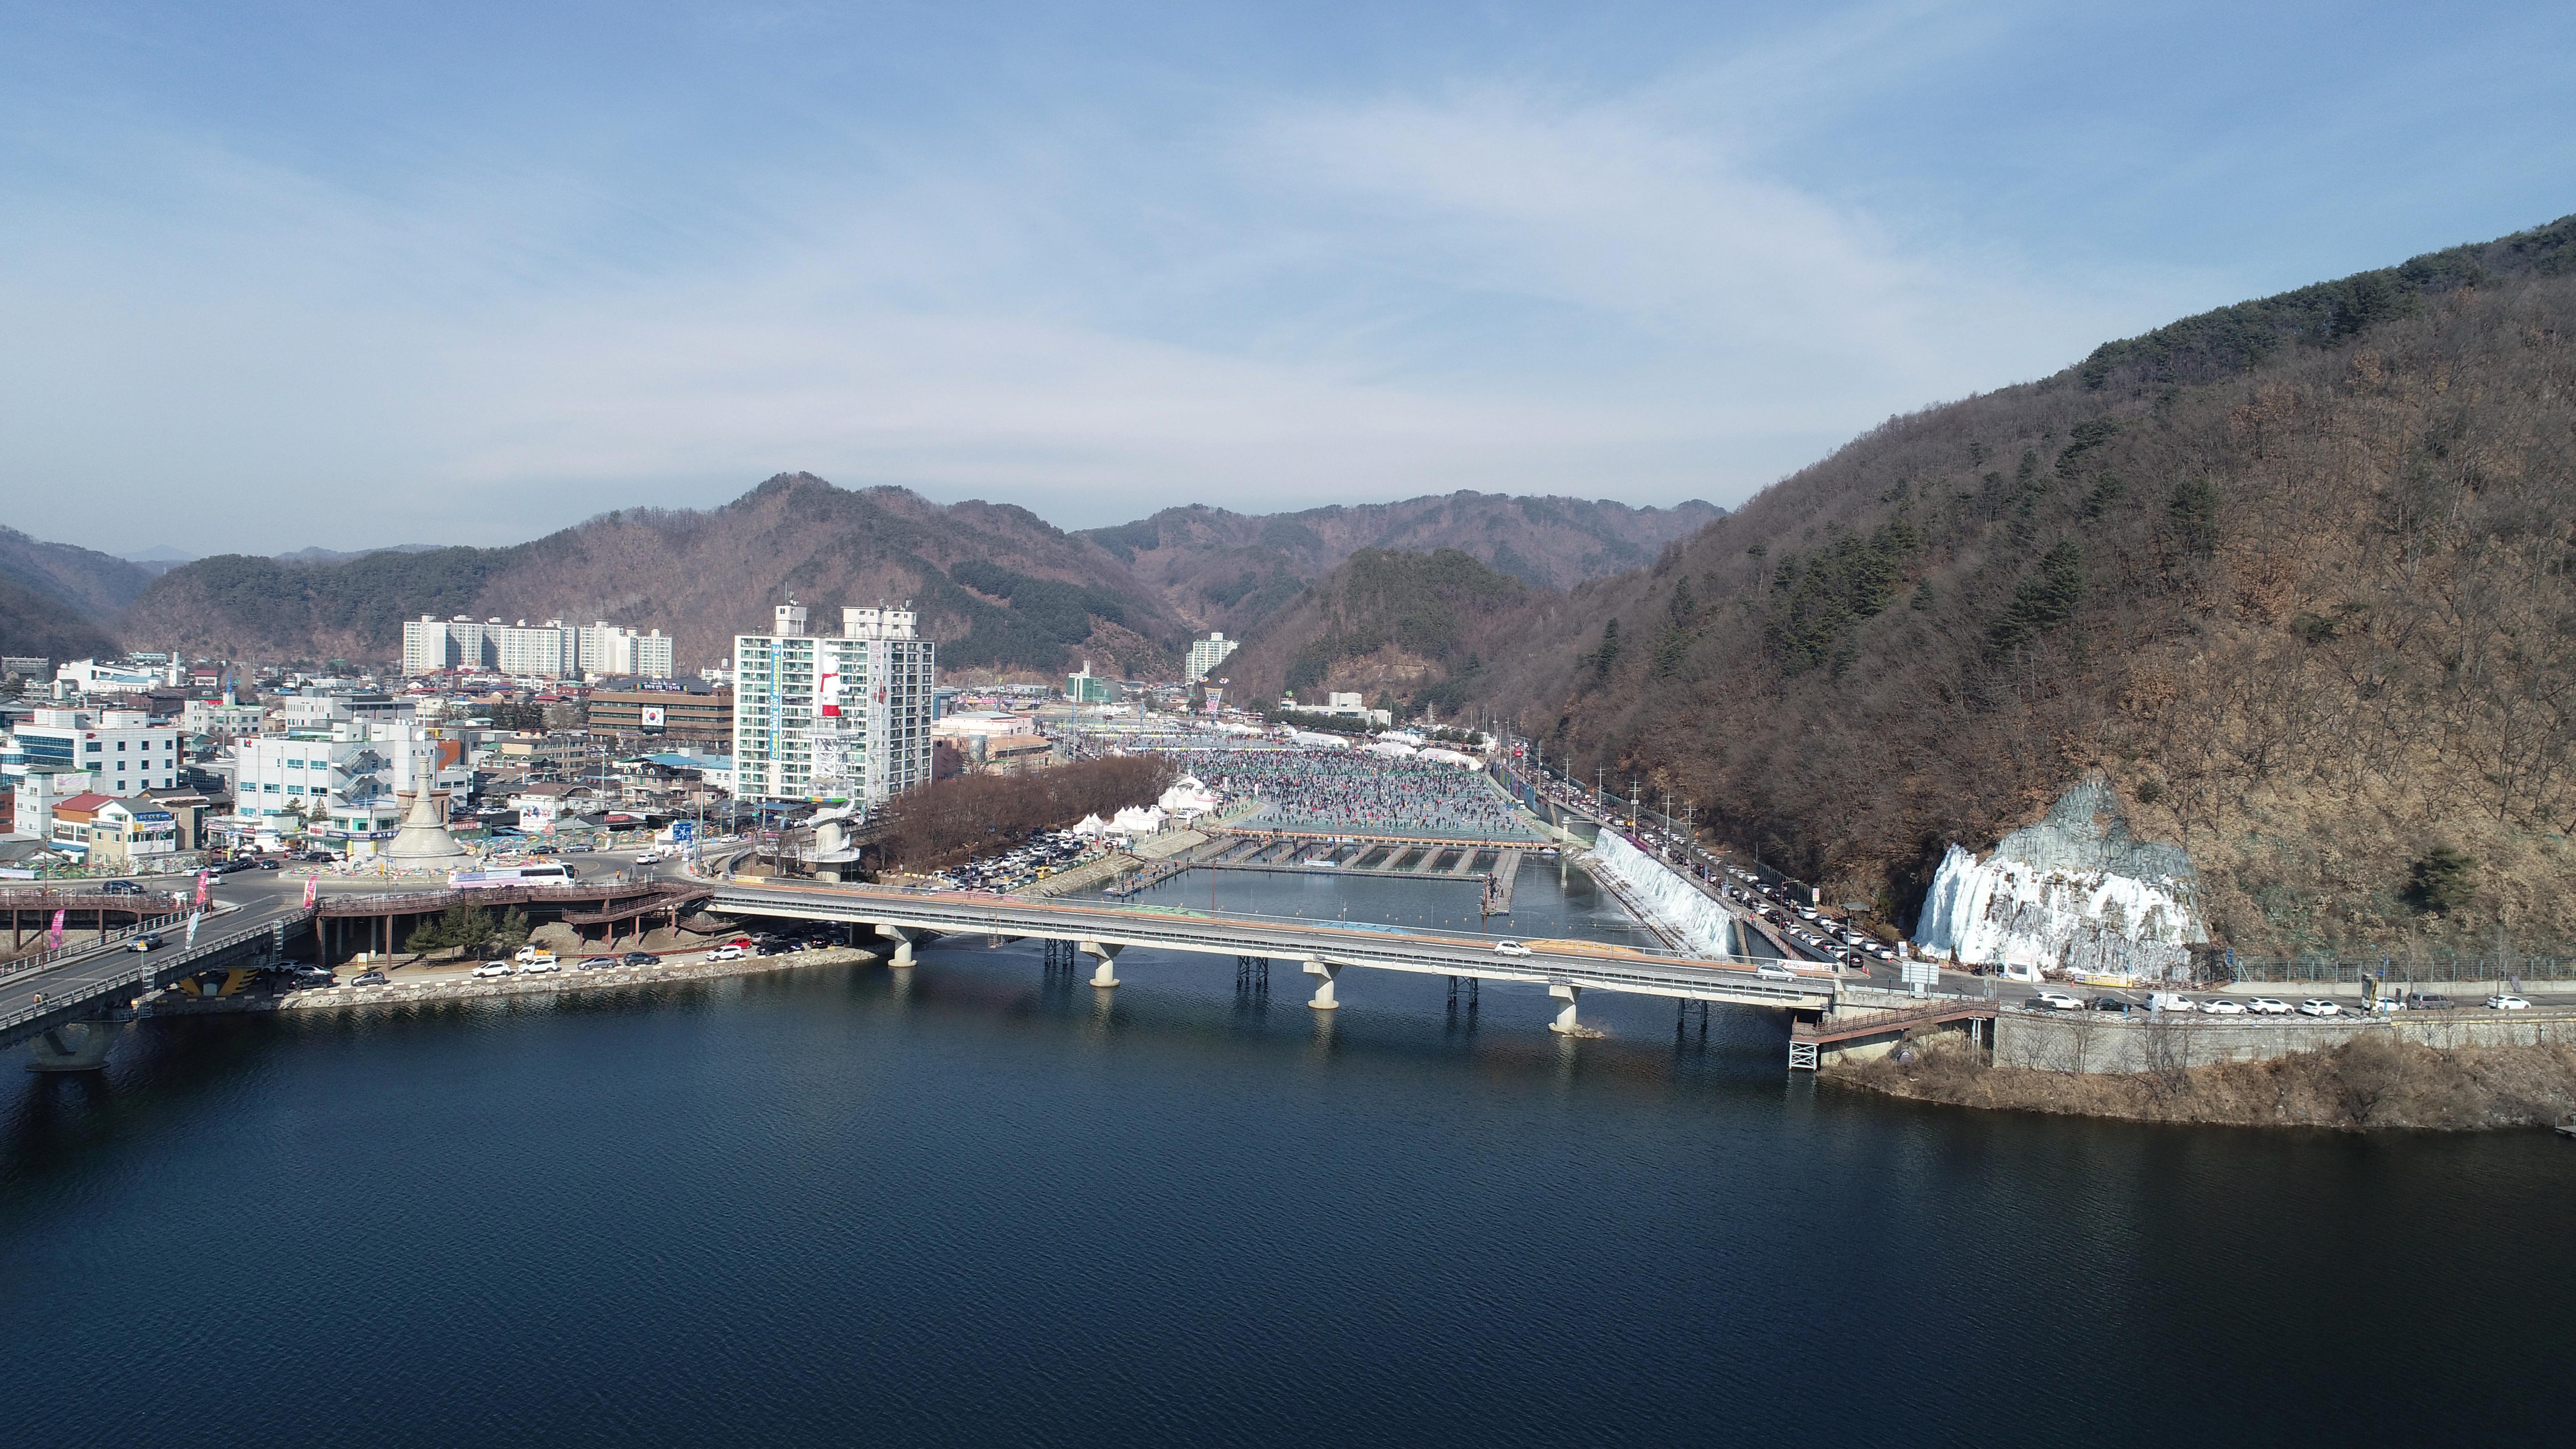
(89, 985)
(1326, 947)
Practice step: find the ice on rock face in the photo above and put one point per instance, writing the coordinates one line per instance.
(2075, 891)
(1671, 900)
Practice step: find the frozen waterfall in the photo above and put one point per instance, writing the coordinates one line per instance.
(2075, 892)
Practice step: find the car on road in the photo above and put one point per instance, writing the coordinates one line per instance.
(2054, 1001)
(2170, 1001)
(1774, 971)
(2506, 1001)
(119, 888)
(312, 978)
(495, 968)
(544, 961)
(368, 978)
(2221, 1006)
(534, 955)
(1510, 948)
(145, 942)
(2428, 1001)
(639, 958)
(268, 865)
(725, 953)
(2268, 1006)
(2315, 1006)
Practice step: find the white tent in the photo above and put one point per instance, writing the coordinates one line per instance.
(1136, 820)
(1324, 741)
(1188, 797)
(1091, 828)
(1452, 757)
(1392, 749)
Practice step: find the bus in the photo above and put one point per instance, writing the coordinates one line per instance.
(541, 872)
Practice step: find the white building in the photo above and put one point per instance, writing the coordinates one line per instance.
(221, 718)
(345, 779)
(123, 748)
(1206, 654)
(607, 649)
(550, 650)
(432, 644)
(88, 676)
(39, 791)
(819, 717)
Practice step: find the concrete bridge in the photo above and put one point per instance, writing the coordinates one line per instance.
(1326, 949)
(70, 1007)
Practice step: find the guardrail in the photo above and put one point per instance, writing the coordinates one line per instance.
(145, 968)
(56, 955)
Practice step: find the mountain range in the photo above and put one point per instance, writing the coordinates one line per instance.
(1003, 590)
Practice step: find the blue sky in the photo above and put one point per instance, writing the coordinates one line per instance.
(275, 276)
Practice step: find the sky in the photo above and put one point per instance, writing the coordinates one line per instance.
(278, 276)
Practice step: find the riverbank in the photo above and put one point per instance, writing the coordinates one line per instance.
(2369, 1083)
(464, 986)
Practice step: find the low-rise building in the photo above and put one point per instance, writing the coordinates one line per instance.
(121, 833)
(127, 751)
(664, 714)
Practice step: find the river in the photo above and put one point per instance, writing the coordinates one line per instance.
(983, 1207)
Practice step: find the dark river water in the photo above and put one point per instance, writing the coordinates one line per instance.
(986, 1208)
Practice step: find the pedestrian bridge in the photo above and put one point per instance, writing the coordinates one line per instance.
(1326, 948)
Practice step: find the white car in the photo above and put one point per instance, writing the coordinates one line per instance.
(1773, 971)
(537, 964)
(1510, 948)
(534, 956)
(2055, 1001)
(2314, 1006)
(2268, 1006)
(496, 968)
(2170, 1001)
(2221, 1006)
(2503, 1002)
(725, 953)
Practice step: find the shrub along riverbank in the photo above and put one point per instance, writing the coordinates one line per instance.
(2368, 1083)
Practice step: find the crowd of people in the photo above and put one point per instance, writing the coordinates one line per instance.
(1358, 794)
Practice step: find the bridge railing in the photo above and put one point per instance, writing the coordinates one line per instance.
(144, 969)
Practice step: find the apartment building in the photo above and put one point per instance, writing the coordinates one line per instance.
(608, 650)
(821, 717)
(1206, 654)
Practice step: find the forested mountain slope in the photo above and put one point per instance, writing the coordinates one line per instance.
(998, 586)
(93, 584)
(2299, 575)
(1231, 571)
(1410, 631)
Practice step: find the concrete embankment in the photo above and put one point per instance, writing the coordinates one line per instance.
(465, 987)
(2371, 1081)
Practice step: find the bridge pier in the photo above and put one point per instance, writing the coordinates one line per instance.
(75, 1046)
(1565, 1023)
(1107, 975)
(1324, 993)
(903, 937)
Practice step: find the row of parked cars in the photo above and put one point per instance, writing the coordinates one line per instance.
(1042, 856)
(1803, 923)
(2314, 1006)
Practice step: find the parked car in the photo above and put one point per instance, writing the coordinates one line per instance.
(534, 955)
(2054, 1001)
(312, 978)
(2315, 1006)
(639, 958)
(145, 942)
(2221, 1006)
(1510, 948)
(2503, 1001)
(368, 978)
(725, 953)
(2119, 1004)
(541, 962)
(2170, 1001)
(2268, 1006)
(119, 888)
(495, 968)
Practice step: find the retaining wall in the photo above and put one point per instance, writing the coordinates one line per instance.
(2094, 1042)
